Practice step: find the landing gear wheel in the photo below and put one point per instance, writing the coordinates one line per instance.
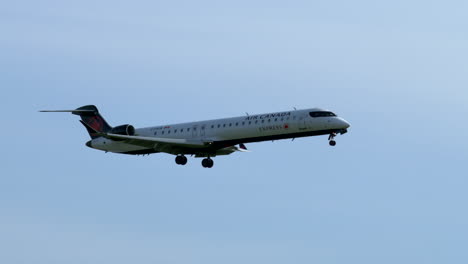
(332, 142)
(207, 163)
(181, 160)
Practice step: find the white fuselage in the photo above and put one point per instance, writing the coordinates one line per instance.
(250, 128)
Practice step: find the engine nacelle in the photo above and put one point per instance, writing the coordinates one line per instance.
(127, 130)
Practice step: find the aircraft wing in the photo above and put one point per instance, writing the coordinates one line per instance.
(152, 142)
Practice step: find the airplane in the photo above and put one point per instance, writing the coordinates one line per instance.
(207, 139)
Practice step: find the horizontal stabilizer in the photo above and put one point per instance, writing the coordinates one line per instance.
(90, 118)
(67, 111)
(87, 110)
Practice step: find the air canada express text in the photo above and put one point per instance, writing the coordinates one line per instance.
(266, 116)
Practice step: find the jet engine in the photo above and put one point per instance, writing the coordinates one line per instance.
(126, 130)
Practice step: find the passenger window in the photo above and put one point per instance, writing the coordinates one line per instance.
(188, 129)
(212, 126)
(162, 133)
(230, 124)
(155, 133)
(243, 123)
(237, 124)
(224, 125)
(250, 122)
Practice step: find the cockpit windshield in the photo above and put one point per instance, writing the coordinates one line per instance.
(321, 114)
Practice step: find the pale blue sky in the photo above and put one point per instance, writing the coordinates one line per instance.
(394, 190)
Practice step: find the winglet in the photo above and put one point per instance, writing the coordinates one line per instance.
(242, 148)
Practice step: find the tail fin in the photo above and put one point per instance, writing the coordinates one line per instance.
(90, 118)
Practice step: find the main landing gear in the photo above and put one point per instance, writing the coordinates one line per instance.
(207, 163)
(331, 139)
(181, 160)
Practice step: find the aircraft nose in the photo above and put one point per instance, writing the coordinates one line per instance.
(344, 123)
(88, 144)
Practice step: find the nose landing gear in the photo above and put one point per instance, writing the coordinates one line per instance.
(331, 139)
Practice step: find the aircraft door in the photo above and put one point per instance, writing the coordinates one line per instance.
(327, 124)
(194, 131)
(202, 131)
(302, 125)
(198, 131)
